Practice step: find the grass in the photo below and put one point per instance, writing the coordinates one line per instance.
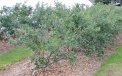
(112, 66)
(13, 56)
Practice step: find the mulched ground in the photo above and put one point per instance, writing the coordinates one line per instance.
(5, 46)
(84, 66)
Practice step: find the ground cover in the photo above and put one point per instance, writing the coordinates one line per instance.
(112, 66)
(13, 56)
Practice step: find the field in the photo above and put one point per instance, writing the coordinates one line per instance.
(56, 41)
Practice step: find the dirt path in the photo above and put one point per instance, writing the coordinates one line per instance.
(84, 66)
(18, 69)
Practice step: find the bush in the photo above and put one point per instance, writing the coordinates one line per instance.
(55, 33)
(12, 17)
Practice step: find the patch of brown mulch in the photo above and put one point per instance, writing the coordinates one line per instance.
(83, 66)
(5, 46)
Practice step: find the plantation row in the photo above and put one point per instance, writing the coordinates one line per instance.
(55, 33)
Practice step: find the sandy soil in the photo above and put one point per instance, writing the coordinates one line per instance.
(84, 66)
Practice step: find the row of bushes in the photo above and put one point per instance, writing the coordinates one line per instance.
(55, 33)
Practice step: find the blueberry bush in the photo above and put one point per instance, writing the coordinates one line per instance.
(60, 32)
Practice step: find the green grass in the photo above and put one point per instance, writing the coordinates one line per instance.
(13, 56)
(112, 66)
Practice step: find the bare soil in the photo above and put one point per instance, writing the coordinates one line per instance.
(83, 66)
(5, 46)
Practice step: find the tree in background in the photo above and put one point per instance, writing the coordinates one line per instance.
(108, 1)
(103, 1)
